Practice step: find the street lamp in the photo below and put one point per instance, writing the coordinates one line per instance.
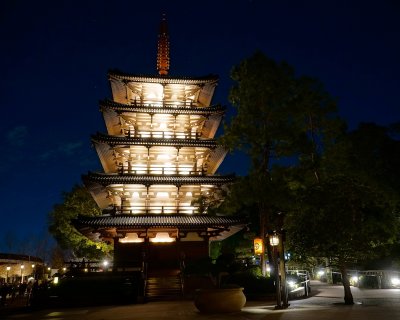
(274, 242)
(8, 270)
(22, 270)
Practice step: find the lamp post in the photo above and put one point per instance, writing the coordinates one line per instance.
(274, 242)
(8, 270)
(284, 289)
(22, 272)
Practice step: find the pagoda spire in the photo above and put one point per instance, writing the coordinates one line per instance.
(163, 48)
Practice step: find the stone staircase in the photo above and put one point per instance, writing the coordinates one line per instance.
(163, 286)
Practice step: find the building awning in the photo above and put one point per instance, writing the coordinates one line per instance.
(158, 221)
(160, 109)
(117, 74)
(108, 179)
(125, 141)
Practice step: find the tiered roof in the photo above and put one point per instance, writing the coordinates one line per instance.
(159, 154)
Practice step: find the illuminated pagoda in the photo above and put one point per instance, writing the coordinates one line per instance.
(159, 158)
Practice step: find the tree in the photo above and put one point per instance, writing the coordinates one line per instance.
(350, 215)
(344, 219)
(280, 119)
(371, 153)
(76, 202)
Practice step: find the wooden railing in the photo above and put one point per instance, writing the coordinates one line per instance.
(161, 170)
(162, 134)
(154, 210)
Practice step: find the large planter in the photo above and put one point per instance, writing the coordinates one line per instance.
(219, 300)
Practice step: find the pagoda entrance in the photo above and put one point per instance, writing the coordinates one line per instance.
(162, 256)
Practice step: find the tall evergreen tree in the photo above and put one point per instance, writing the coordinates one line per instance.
(280, 119)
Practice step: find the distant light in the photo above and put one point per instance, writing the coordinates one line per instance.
(105, 263)
(320, 273)
(33, 266)
(48, 268)
(354, 279)
(8, 268)
(291, 284)
(395, 281)
(268, 269)
(55, 281)
(86, 269)
(22, 266)
(64, 269)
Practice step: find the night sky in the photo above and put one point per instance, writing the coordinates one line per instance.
(55, 56)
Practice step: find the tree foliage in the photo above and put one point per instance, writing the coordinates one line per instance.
(76, 202)
(338, 190)
(341, 218)
(350, 215)
(281, 119)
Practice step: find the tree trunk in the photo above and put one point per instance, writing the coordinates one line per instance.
(348, 296)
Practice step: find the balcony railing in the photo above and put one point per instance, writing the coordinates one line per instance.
(161, 134)
(153, 210)
(162, 104)
(160, 170)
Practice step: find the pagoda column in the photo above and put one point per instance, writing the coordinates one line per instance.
(177, 199)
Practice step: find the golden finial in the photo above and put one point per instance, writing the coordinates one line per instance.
(163, 48)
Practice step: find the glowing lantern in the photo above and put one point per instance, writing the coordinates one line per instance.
(258, 246)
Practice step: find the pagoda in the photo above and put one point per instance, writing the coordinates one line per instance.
(159, 158)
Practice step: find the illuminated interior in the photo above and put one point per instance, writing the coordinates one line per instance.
(162, 160)
(157, 199)
(131, 238)
(162, 237)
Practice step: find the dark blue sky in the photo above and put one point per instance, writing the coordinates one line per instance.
(55, 56)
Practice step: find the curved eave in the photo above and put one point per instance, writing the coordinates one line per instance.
(158, 221)
(125, 141)
(119, 108)
(109, 179)
(119, 75)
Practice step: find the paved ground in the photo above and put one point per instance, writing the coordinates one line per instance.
(326, 303)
